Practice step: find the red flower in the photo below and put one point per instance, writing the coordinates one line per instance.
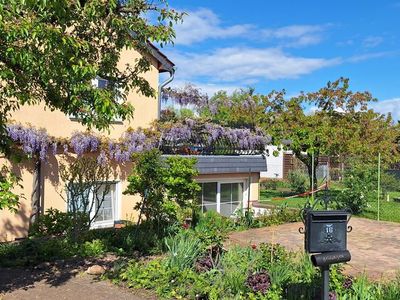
(185, 226)
(254, 246)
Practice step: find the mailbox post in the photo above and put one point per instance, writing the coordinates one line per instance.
(326, 239)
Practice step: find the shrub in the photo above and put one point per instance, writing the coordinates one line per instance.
(165, 185)
(213, 228)
(93, 248)
(55, 223)
(278, 215)
(360, 185)
(297, 181)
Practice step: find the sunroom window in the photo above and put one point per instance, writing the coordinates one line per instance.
(224, 197)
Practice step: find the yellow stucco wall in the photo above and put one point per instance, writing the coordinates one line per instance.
(59, 125)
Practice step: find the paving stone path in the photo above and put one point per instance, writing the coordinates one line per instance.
(374, 246)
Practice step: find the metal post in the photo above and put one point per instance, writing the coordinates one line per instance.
(325, 282)
(379, 182)
(312, 179)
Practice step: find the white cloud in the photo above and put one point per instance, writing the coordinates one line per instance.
(372, 41)
(246, 64)
(204, 24)
(388, 106)
(366, 56)
(297, 35)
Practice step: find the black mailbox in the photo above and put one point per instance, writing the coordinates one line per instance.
(326, 231)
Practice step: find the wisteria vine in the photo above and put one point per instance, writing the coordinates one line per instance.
(189, 132)
(209, 135)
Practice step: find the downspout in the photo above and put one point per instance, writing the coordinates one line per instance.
(161, 86)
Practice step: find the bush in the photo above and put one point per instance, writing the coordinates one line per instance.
(34, 251)
(297, 181)
(93, 248)
(213, 228)
(55, 223)
(360, 183)
(164, 185)
(278, 215)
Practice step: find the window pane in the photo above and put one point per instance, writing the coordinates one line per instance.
(79, 197)
(101, 83)
(106, 210)
(225, 209)
(226, 192)
(237, 192)
(209, 192)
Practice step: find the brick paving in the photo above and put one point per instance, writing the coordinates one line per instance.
(374, 246)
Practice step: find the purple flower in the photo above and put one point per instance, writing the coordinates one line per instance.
(84, 142)
(33, 141)
(102, 158)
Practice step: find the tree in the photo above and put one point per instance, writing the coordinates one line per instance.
(50, 52)
(341, 125)
(332, 121)
(86, 185)
(163, 185)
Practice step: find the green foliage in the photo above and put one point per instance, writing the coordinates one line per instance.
(52, 223)
(53, 56)
(279, 215)
(213, 228)
(183, 249)
(164, 186)
(8, 182)
(360, 183)
(297, 181)
(34, 251)
(93, 248)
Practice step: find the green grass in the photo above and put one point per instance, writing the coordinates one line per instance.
(389, 210)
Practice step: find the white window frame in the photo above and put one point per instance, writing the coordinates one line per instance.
(244, 181)
(117, 207)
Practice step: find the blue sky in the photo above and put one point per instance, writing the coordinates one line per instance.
(292, 45)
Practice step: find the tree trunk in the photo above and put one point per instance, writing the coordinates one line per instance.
(36, 189)
(310, 175)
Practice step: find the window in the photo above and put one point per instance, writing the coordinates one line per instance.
(223, 197)
(231, 197)
(107, 208)
(106, 211)
(102, 84)
(209, 196)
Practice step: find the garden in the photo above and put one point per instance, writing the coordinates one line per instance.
(358, 191)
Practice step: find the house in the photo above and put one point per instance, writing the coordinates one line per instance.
(228, 182)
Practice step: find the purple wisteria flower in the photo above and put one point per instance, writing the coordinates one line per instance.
(188, 95)
(31, 140)
(84, 142)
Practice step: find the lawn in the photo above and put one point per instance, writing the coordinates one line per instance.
(389, 210)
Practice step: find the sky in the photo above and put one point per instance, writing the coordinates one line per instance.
(291, 45)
